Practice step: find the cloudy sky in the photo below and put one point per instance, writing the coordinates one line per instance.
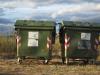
(70, 10)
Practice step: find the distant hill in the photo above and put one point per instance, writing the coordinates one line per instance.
(6, 30)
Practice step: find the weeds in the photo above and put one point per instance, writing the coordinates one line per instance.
(7, 44)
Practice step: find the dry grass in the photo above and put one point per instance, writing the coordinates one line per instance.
(10, 67)
(7, 46)
(7, 43)
(35, 67)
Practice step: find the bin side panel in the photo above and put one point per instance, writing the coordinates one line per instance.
(74, 51)
(34, 51)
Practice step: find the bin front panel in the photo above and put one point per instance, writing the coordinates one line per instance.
(34, 43)
(81, 44)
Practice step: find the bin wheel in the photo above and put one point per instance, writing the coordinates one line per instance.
(63, 60)
(92, 61)
(67, 61)
(19, 60)
(45, 61)
(86, 61)
(23, 57)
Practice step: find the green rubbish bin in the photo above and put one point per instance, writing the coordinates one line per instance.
(34, 39)
(79, 41)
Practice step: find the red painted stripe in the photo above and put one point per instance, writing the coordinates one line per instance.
(18, 39)
(67, 38)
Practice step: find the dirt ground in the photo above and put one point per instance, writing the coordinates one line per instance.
(36, 67)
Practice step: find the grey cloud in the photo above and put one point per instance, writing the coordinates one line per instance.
(96, 19)
(77, 1)
(84, 17)
(5, 0)
(82, 12)
(41, 16)
(85, 14)
(1, 11)
(94, 1)
(81, 16)
(65, 1)
(49, 2)
(5, 21)
(39, 3)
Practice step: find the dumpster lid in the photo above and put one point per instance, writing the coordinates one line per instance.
(80, 24)
(32, 23)
(87, 26)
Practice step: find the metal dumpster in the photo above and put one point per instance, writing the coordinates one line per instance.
(34, 39)
(79, 41)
